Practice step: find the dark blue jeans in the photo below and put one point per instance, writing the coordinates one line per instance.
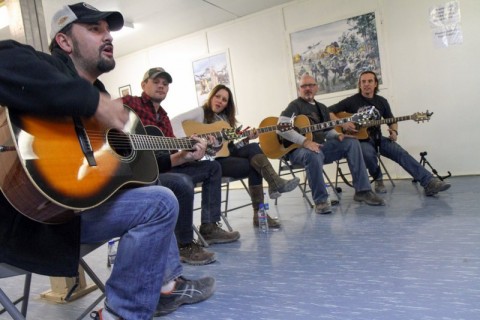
(395, 152)
(210, 174)
(183, 188)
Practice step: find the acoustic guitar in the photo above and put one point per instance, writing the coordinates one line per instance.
(224, 132)
(64, 164)
(274, 147)
(362, 133)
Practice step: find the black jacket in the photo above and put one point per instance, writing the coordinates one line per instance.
(32, 81)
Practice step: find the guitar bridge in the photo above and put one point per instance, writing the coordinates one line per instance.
(84, 141)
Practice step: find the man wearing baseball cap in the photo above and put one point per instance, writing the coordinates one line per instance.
(182, 177)
(65, 84)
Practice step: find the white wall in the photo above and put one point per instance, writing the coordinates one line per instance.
(418, 76)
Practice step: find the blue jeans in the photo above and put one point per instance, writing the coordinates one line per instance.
(395, 152)
(183, 188)
(147, 255)
(210, 174)
(330, 151)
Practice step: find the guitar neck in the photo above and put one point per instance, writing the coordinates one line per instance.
(324, 125)
(372, 123)
(148, 142)
(259, 131)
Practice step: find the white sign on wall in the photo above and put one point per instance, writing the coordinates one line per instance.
(445, 23)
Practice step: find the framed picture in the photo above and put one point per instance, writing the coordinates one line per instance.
(125, 90)
(336, 53)
(210, 71)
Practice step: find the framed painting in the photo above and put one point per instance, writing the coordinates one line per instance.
(336, 53)
(211, 71)
(125, 90)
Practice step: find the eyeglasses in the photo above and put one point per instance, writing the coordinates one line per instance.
(308, 85)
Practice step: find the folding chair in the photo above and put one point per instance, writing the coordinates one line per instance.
(7, 271)
(225, 202)
(285, 167)
(343, 172)
(9, 306)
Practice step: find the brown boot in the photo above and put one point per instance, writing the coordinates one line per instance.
(276, 185)
(213, 233)
(256, 194)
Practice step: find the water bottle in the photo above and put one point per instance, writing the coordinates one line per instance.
(112, 252)
(262, 218)
(265, 203)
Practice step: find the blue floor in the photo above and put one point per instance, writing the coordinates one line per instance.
(415, 258)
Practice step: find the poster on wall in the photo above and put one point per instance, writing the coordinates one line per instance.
(210, 71)
(445, 22)
(336, 53)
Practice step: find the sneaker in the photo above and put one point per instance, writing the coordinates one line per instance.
(435, 186)
(380, 187)
(192, 253)
(213, 233)
(185, 292)
(103, 314)
(96, 315)
(323, 207)
(369, 197)
(272, 223)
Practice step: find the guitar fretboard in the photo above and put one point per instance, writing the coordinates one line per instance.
(260, 130)
(372, 123)
(324, 125)
(148, 142)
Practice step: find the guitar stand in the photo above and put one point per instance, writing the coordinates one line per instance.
(424, 161)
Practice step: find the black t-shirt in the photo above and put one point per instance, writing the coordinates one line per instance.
(359, 103)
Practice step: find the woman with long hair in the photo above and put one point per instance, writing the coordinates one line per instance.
(246, 159)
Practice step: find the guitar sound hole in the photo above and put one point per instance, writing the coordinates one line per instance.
(119, 142)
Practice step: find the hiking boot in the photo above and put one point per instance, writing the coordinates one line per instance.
(323, 207)
(369, 197)
(213, 233)
(435, 186)
(272, 223)
(284, 186)
(192, 253)
(185, 292)
(380, 187)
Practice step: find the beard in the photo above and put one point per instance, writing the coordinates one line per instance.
(105, 65)
(95, 66)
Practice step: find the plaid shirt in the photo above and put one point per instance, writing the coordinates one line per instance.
(145, 110)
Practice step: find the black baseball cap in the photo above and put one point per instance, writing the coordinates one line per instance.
(84, 13)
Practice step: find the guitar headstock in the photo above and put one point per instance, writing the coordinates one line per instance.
(362, 118)
(421, 116)
(284, 126)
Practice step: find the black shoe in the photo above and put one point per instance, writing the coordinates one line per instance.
(185, 292)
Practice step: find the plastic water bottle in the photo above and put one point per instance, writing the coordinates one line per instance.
(112, 252)
(262, 218)
(265, 204)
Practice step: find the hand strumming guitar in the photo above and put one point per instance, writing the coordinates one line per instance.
(111, 113)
